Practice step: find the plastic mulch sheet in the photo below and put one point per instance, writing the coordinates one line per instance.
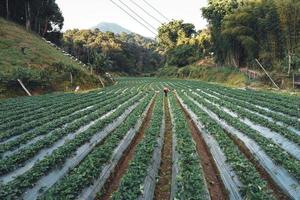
(280, 176)
(228, 176)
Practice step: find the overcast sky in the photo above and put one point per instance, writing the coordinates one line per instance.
(88, 13)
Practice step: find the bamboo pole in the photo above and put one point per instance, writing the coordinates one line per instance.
(102, 83)
(24, 88)
(267, 74)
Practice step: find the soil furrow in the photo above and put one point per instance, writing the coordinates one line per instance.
(163, 187)
(115, 178)
(277, 191)
(215, 185)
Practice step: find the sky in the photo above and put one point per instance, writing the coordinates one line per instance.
(84, 14)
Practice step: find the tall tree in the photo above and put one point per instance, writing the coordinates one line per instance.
(253, 31)
(28, 14)
(215, 13)
(7, 10)
(289, 13)
(169, 34)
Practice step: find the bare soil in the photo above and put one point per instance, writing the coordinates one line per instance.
(115, 178)
(215, 185)
(276, 190)
(163, 187)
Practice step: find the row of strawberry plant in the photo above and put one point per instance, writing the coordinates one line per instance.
(49, 124)
(133, 179)
(291, 102)
(255, 118)
(267, 99)
(89, 169)
(42, 100)
(54, 112)
(16, 187)
(272, 105)
(23, 103)
(17, 159)
(46, 111)
(31, 110)
(190, 180)
(16, 113)
(254, 187)
(277, 117)
(242, 95)
(276, 153)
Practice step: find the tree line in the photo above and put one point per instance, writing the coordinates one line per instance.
(182, 44)
(244, 30)
(41, 16)
(129, 53)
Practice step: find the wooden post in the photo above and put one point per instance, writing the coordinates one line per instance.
(293, 81)
(290, 63)
(24, 88)
(71, 77)
(267, 74)
(235, 63)
(101, 81)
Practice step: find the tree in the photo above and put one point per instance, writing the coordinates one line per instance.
(7, 10)
(41, 16)
(289, 15)
(215, 13)
(182, 55)
(129, 53)
(172, 33)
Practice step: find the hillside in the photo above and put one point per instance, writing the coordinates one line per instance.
(224, 75)
(41, 67)
(111, 27)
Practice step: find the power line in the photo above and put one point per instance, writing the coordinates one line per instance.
(133, 17)
(137, 15)
(156, 10)
(146, 11)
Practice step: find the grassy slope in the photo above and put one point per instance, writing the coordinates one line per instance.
(39, 55)
(223, 75)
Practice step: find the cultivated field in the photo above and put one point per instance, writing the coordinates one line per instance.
(128, 141)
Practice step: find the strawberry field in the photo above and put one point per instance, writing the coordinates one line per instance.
(112, 143)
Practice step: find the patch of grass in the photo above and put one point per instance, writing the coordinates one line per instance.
(225, 75)
(40, 56)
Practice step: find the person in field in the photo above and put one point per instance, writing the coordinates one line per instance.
(166, 90)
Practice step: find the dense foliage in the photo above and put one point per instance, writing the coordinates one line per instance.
(243, 30)
(182, 44)
(42, 16)
(130, 53)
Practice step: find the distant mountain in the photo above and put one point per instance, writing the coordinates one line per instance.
(112, 27)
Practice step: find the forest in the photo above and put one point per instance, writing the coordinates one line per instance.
(130, 53)
(41, 16)
(242, 30)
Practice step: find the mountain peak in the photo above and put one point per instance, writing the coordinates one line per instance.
(111, 27)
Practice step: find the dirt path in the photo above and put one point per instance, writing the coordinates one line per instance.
(277, 191)
(163, 187)
(215, 185)
(114, 180)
